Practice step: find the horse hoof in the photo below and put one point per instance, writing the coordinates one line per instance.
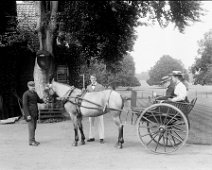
(117, 145)
(74, 144)
(82, 142)
(120, 146)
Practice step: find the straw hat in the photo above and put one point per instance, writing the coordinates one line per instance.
(176, 73)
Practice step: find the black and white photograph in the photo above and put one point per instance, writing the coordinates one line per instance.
(105, 85)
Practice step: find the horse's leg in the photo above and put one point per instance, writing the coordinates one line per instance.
(76, 136)
(120, 137)
(79, 119)
(117, 120)
(75, 143)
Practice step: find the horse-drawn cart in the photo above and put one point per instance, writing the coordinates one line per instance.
(163, 127)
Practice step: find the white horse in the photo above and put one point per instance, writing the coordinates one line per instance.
(92, 104)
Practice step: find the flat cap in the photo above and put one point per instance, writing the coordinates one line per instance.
(31, 83)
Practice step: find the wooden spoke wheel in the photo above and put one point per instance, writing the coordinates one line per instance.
(162, 128)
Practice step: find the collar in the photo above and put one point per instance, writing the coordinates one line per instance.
(177, 82)
(94, 84)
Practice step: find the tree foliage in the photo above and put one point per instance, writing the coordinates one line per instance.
(124, 74)
(201, 68)
(105, 30)
(164, 66)
(101, 29)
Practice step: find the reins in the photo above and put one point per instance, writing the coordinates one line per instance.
(86, 101)
(101, 107)
(78, 104)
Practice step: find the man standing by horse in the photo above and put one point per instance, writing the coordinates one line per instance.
(30, 100)
(95, 87)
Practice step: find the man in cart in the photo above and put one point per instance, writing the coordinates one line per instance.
(176, 91)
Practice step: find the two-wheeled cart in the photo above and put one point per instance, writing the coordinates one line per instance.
(163, 127)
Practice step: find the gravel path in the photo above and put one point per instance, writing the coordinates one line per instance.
(57, 153)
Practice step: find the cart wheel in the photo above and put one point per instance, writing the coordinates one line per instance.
(152, 136)
(162, 128)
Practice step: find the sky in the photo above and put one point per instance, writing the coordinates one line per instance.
(153, 42)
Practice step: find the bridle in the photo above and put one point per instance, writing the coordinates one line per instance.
(67, 94)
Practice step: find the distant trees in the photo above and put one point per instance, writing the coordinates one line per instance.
(126, 76)
(201, 69)
(143, 76)
(165, 65)
(123, 72)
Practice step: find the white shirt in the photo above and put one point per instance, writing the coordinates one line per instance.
(180, 92)
(93, 85)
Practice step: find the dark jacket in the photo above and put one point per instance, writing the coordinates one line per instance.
(170, 91)
(30, 100)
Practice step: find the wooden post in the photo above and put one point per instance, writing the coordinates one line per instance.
(83, 79)
(133, 98)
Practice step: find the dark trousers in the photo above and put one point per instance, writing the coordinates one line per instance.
(32, 124)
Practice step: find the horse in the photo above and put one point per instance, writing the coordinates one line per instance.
(89, 104)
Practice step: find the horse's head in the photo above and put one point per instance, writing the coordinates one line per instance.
(49, 89)
(62, 90)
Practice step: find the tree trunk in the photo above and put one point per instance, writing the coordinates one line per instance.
(46, 12)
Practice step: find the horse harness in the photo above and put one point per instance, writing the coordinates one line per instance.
(79, 99)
